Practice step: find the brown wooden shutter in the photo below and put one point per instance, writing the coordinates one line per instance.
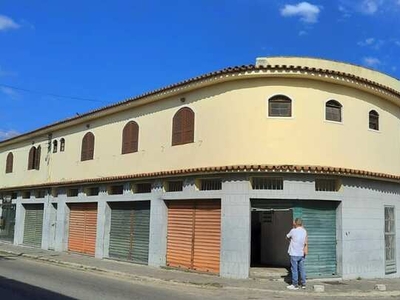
(188, 126)
(31, 158)
(37, 158)
(9, 163)
(183, 127)
(87, 151)
(130, 138)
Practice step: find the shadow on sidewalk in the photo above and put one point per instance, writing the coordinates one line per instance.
(16, 290)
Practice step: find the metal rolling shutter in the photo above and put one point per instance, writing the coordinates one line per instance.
(320, 222)
(33, 225)
(207, 236)
(180, 234)
(82, 228)
(194, 235)
(129, 234)
(141, 231)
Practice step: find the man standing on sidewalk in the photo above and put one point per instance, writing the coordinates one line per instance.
(297, 251)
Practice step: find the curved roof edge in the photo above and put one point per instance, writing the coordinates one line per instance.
(232, 169)
(271, 65)
(337, 66)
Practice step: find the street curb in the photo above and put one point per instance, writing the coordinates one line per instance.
(141, 278)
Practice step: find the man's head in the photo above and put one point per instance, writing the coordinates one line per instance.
(298, 222)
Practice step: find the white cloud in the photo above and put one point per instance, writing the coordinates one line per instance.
(7, 23)
(345, 12)
(9, 92)
(302, 32)
(7, 134)
(370, 7)
(307, 12)
(371, 61)
(372, 43)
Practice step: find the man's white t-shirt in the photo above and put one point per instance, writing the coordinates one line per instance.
(297, 240)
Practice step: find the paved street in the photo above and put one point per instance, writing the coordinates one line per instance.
(22, 279)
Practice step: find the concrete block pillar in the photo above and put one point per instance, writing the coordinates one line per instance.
(235, 228)
(103, 224)
(19, 223)
(62, 223)
(47, 214)
(158, 227)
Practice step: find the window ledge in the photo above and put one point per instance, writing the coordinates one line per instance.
(334, 122)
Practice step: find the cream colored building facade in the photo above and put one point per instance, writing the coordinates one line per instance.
(235, 139)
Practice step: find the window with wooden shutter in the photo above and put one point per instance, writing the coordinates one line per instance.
(279, 106)
(9, 163)
(55, 146)
(373, 120)
(87, 150)
(37, 158)
(130, 138)
(333, 111)
(31, 158)
(183, 127)
(62, 145)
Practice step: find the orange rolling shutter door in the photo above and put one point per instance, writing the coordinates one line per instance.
(82, 228)
(180, 234)
(207, 236)
(194, 235)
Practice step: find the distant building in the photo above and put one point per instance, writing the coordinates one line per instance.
(208, 174)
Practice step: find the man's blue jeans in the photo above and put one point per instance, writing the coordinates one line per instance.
(297, 265)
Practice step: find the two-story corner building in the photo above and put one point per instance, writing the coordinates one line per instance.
(208, 174)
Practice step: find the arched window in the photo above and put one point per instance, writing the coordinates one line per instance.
(34, 158)
(87, 147)
(183, 127)
(62, 145)
(373, 120)
(130, 138)
(279, 106)
(55, 146)
(9, 163)
(333, 111)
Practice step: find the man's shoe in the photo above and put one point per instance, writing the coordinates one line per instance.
(292, 287)
(303, 286)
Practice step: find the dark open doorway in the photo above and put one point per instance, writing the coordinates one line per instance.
(268, 237)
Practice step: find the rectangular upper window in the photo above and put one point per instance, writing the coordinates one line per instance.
(116, 189)
(267, 183)
(327, 185)
(174, 186)
(92, 191)
(72, 192)
(210, 184)
(26, 195)
(143, 188)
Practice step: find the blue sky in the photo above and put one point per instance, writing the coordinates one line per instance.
(106, 51)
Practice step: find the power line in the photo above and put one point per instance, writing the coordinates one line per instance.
(50, 94)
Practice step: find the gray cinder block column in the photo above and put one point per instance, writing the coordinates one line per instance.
(158, 227)
(103, 224)
(19, 223)
(62, 224)
(46, 222)
(235, 228)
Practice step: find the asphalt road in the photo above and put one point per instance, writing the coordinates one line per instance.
(24, 279)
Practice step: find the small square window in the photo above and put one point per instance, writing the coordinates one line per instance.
(72, 192)
(210, 184)
(143, 188)
(26, 195)
(174, 186)
(267, 183)
(116, 189)
(327, 185)
(92, 191)
(40, 194)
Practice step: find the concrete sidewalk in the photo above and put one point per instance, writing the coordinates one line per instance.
(338, 288)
